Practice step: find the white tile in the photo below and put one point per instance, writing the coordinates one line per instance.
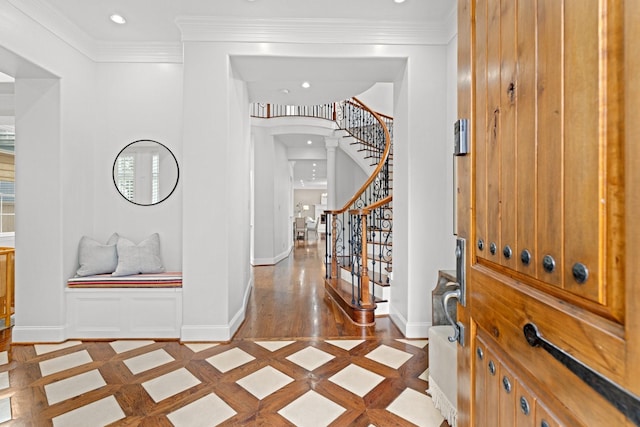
(73, 386)
(264, 382)
(4, 380)
(205, 412)
(230, 359)
(5, 409)
(147, 361)
(100, 413)
(424, 376)
(389, 356)
(274, 345)
(169, 384)
(65, 362)
(48, 348)
(345, 344)
(4, 357)
(415, 343)
(198, 347)
(128, 345)
(417, 408)
(311, 410)
(356, 379)
(310, 358)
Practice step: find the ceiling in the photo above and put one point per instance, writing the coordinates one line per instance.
(269, 79)
(154, 20)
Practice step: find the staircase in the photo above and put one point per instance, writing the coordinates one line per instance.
(358, 260)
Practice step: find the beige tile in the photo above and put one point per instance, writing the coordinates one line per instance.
(356, 379)
(415, 343)
(49, 348)
(5, 409)
(230, 359)
(205, 412)
(311, 410)
(264, 382)
(147, 361)
(389, 356)
(127, 345)
(345, 344)
(416, 408)
(73, 386)
(170, 384)
(274, 345)
(62, 363)
(99, 413)
(310, 358)
(198, 347)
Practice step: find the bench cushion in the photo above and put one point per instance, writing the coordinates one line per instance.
(151, 280)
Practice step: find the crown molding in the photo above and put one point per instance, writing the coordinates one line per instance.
(239, 29)
(314, 31)
(57, 24)
(451, 23)
(139, 52)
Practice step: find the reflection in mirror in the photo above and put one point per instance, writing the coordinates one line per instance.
(145, 172)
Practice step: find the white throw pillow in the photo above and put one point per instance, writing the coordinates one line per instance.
(96, 258)
(141, 258)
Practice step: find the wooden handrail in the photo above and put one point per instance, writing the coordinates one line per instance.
(367, 209)
(383, 159)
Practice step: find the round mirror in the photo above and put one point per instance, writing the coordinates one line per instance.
(145, 172)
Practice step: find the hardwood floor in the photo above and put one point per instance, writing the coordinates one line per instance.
(295, 361)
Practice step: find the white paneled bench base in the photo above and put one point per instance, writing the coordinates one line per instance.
(138, 306)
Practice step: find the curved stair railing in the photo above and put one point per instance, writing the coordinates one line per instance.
(358, 257)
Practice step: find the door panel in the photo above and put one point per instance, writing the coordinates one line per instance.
(545, 200)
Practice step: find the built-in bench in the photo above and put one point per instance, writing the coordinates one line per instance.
(136, 306)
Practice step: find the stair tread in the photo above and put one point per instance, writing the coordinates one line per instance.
(343, 288)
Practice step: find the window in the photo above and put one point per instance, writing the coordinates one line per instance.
(155, 178)
(7, 207)
(126, 168)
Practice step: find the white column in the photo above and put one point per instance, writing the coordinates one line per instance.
(331, 144)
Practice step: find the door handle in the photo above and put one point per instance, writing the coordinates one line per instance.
(626, 402)
(458, 328)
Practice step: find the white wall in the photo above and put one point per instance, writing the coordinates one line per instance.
(216, 191)
(138, 101)
(272, 182)
(422, 241)
(55, 125)
(379, 98)
(349, 176)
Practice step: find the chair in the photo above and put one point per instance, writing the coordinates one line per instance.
(300, 229)
(313, 226)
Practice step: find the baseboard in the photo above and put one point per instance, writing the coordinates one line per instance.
(409, 329)
(38, 334)
(206, 333)
(271, 261)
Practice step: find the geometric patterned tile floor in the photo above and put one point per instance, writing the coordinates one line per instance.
(305, 382)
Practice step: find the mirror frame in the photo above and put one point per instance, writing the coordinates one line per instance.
(113, 172)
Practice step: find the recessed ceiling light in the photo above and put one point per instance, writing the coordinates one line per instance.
(309, 142)
(314, 165)
(118, 19)
(306, 85)
(285, 91)
(398, 1)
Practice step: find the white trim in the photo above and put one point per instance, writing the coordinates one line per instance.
(409, 329)
(206, 333)
(139, 52)
(308, 30)
(38, 334)
(59, 25)
(271, 261)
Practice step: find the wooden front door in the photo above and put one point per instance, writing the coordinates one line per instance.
(549, 204)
